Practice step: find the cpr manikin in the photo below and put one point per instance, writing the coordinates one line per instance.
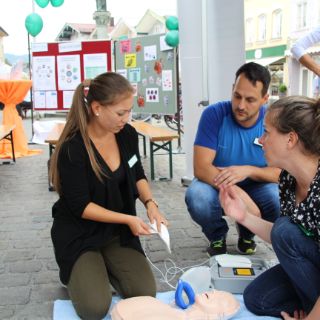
(213, 305)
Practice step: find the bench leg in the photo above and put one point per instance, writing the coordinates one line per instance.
(170, 160)
(144, 146)
(155, 147)
(151, 161)
(12, 147)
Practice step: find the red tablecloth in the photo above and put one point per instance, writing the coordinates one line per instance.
(13, 92)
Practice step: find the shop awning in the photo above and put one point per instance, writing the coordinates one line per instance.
(267, 61)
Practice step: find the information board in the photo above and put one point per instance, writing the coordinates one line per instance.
(58, 68)
(150, 66)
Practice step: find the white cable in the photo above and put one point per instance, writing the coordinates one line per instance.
(170, 272)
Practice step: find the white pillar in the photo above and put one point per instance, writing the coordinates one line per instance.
(211, 50)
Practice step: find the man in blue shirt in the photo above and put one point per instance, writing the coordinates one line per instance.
(226, 151)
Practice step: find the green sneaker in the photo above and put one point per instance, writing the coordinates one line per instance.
(246, 246)
(217, 247)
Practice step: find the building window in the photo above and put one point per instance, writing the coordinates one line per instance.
(249, 31)
(262, 21)
(301, 14)
(276, 23)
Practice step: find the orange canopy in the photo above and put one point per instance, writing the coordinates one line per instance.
(13, 92)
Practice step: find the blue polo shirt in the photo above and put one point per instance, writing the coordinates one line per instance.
(234, 144)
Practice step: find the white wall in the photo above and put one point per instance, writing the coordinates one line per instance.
(211, 50)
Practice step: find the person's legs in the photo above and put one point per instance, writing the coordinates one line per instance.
(88, 287)
(204, 207)
(266, 197)
(300, 258)
(129, 271)
(270, 293)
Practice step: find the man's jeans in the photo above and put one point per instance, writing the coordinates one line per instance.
(294, 284)
(204, 206)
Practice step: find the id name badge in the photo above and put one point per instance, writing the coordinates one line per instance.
(256, 142)
(132, 161)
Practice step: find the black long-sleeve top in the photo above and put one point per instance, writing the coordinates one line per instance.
(71, 234)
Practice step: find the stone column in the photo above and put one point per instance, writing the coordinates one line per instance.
(102, 18)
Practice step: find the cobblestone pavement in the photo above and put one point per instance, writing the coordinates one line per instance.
(29, 282)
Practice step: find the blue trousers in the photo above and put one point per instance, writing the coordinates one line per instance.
(204, 206)
(294, 283)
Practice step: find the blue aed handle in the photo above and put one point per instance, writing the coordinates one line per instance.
(184, 287)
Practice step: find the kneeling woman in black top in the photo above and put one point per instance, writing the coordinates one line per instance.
(97, 172)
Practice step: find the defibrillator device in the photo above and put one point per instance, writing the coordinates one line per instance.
(233, 273)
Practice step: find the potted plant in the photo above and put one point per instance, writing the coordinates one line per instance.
(282, 90)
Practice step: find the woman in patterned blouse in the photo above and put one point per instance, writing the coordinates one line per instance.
(291, 142)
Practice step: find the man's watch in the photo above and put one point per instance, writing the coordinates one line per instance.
(151, 200)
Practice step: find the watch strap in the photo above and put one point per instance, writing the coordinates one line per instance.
(150, 200)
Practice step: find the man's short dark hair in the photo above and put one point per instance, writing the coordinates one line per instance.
(255, 72)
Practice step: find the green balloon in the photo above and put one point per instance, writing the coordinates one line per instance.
(172, 23)
(42, 3)
(172, 38)
(56, 3)
(33, 24)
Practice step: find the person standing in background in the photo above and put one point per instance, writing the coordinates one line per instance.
(299, 51)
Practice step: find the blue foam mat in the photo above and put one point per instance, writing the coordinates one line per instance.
(63, 309)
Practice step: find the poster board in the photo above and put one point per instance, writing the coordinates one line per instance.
(150, 66)
(58, 68)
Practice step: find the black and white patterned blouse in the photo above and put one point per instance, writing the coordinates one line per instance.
(307, 213)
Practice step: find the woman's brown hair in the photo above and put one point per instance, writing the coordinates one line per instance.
(301, 115)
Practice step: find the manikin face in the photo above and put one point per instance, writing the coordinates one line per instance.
(214, 305)
(113, 118)
(247, 101)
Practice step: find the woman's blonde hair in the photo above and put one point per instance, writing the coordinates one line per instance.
(107, 89)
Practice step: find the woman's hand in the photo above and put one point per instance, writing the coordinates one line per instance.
(138, 226)
(297, 315)
(251, 206)
(232, 203)
(154, 214)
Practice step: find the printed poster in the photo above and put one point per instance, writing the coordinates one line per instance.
(163, 44)
(123, 72)
(134, 75)
(39, 99)
(94, 64)
(130, 60)
(150, 53)
(125, 46)
(135, 87)
(167, 84)
(67, 99)
(51, 100)
(68, 71)
(44, 75)
(152, 94)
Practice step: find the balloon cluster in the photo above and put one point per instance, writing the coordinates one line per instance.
(172, 36)
(33, 22)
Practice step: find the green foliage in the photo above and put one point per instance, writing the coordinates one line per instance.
(282, 88)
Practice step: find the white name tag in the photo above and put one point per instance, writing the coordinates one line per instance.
(256, 142)
(132, 161)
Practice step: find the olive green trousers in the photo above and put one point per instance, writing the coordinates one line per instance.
(126, 269)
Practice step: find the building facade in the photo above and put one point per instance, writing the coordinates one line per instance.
(267, 26)
(2, 35)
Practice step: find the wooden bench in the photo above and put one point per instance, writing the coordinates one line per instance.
(156, 135)
(6, 133)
